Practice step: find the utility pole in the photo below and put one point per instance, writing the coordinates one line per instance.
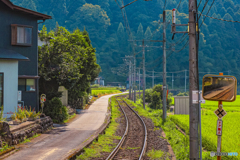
(139, 82)
(134, 79)
(185, 80)
(164, 69)
(144, 80)
(130, 64)
(152, 78)
(172, 80)
(193, 82)
(132, 82)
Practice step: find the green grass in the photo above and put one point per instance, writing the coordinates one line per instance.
(106, 88)
(155, 154)
(173, 101)
(105, 141)
(29, 139)
(230, 136)
(69, 117)
(104, 92)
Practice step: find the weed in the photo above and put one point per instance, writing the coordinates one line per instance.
(105, 141)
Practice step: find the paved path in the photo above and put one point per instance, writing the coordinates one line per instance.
(62, 139)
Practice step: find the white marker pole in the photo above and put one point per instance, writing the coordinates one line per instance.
(173, 21)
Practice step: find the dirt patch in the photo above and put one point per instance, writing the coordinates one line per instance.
(156, 140)
(132, 147)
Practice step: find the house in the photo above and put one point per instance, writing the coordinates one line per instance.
(100, 81)
(19, 56)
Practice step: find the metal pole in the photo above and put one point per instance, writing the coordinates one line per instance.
(185, 80)
(172, 80)
(193, 82)
(200, 121)
(139, 80)
(219, 141)
(153, 79)
(130, 79)
(164, 99)
(144, 80)
(134, 82)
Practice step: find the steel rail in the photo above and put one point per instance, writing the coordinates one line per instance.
(145, 133)
(114, 152)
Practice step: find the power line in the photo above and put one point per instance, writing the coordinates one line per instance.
(171, 54)
(118, 4)
(203, 8)
(207, 13)
(164, 5)
(199, 3)
(220, 19)
(179, 4)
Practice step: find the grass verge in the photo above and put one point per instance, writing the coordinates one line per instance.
(70, 118)
(105, 141)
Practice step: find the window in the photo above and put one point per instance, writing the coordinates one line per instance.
(1, 89)
(30, 85)
(26, 85)
(21, 35)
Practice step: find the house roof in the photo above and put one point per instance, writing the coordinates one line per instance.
(11, 55)
(38, 15)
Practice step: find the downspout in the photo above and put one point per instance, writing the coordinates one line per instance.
(37, 70)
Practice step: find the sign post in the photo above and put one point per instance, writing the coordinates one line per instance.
(219, 131)
(219, 88)
(42, 100)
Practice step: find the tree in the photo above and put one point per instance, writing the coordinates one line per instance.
(67, 59)
(29, 4)
(89, 14)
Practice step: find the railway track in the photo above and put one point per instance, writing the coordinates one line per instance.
(133, 143)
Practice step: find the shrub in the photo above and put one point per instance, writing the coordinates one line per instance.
(154, 97)
(56, 110)
(183, 94)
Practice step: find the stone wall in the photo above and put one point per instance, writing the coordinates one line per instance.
(15, 136)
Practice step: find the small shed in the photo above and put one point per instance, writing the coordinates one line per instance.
(64, 98)
(181, 105)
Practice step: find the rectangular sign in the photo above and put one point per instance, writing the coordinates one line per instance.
(219, 127)
(19, 96)
(195, 97)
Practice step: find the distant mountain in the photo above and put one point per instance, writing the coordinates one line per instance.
(219, 45)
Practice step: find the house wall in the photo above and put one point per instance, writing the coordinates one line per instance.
(181, 105)
(10, 84)
(30, 68)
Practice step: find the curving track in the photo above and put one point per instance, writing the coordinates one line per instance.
(134, 141)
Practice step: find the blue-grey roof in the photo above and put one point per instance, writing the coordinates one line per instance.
(9, 54)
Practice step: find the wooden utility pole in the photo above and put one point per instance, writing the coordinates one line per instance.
(144, 79)
(193, 82)
(134, 79)
(139, 80)
(130, 64)
(185, 80)
(164, 98)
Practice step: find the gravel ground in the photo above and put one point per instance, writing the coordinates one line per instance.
(132, 146)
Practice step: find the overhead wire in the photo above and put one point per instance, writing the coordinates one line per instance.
(203, 8)
(171, 54)
(220, 19)
(207, 13)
